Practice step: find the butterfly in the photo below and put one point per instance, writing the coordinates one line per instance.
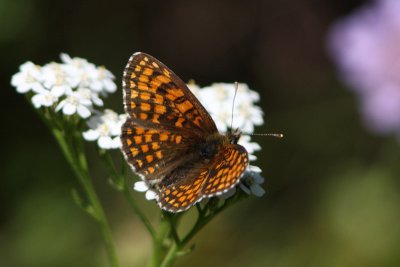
(170, 140)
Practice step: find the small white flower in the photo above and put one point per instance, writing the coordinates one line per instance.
(55, 77)
(251, 181)
(75, 85)
(105, 128)
(46, 98)
(90, 95)
(76, 102)
(141, 186)
(102, 80)
(28, 78)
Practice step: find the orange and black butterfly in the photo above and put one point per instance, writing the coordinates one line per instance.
(171, 141)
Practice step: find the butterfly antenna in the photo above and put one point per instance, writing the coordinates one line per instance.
(277, 135)
(233, 103)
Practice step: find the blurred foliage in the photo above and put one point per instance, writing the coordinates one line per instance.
(332, 187)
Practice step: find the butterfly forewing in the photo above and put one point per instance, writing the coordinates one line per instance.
(157, 97)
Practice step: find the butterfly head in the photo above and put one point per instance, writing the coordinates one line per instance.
(233, 136)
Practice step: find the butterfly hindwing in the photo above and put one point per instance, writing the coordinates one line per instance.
(229, 166)
(202, 178)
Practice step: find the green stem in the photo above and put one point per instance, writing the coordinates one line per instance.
(139, 212)
(102, 220)
(173, 222)
(122, 186)
(79, 166)
(111, 167)
(171, 255)
(158, 244)
(202, 221)
(204, 217)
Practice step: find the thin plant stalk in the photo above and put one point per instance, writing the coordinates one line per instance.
(77, 161)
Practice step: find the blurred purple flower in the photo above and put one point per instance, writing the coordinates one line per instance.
(366, 48)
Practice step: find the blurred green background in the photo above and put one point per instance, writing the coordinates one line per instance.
(332, 187)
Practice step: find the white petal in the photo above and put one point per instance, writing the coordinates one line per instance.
(91, 135)
(194, 88)
(83, 111)
(115, 128)
(48, 100)
(257, 190)
(65, 58)
(37, 100)
(105, 142)
(140, 186)
(61, 105)
(255, 146)
(23, 88)
(257, 118)
(69, 109)
(248, 127)
(255, 169)
(96, 86)
(150, 195)
(85, 101)
(16, 79)
(252, 157)
(59, 90)
(116, 142)
(94, 121)
(222, 127)
(37, 87)
(110, 86)
(258, 179)
(97, 101)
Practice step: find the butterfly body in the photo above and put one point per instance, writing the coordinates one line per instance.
(171, 141)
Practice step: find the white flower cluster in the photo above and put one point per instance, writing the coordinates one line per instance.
(73, 86)
(105, 127)
(218, 101)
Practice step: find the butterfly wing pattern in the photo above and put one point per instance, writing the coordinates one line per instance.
(171, 141)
